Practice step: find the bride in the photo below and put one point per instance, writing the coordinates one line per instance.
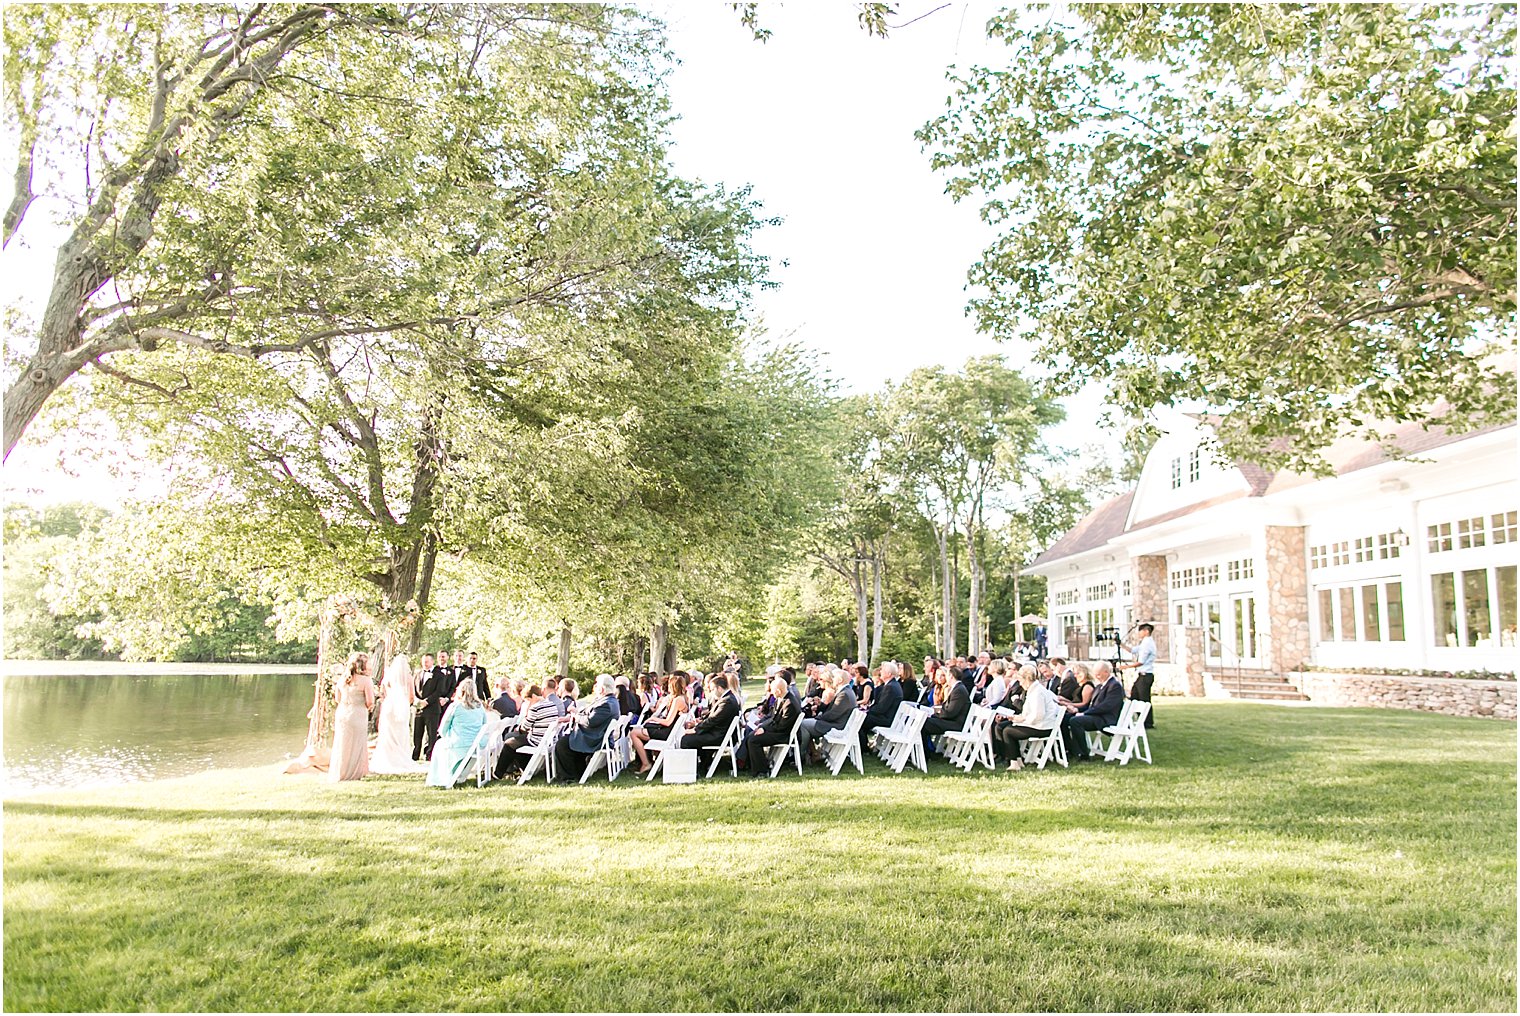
(393, 748)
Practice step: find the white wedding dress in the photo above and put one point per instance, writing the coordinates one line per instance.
(393, 748)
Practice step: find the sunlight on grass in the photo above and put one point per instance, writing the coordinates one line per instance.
(1271, 859)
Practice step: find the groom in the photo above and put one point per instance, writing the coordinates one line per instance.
(437, 690)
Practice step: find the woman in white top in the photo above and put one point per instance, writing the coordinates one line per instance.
(1041, 712)
(393, 747)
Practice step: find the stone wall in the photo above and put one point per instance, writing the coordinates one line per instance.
(1152, 599)
(1453, 696)
(1287, 598)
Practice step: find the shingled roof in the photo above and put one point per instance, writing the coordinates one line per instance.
(1098, 527)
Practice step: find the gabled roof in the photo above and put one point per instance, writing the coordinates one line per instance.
(1098, 527)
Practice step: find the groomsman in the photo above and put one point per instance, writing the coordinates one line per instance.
(473, 671)
(423, 682)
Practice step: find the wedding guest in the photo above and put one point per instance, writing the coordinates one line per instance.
(1034, 720)
(648, 694)
(774, 729)
(585, 730)
(670, 708)
(884, 703)
(837, 705)
(539, 714)
(628, 702)
(909, 682)
(461, 725)
(569, 691)
(994, 687)
(954, 705)
(508, 699)
(710, 731)
(356, 697)
(551, 692)
(1103, 711)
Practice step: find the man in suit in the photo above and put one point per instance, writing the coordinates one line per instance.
(978, 676)
(832, 713)
(437, 692)
(884, 701)
(474, 672)
(585, 732)
(948, 715)
(774, 728)
(723, 711)
(420, 689)
(1103, 711)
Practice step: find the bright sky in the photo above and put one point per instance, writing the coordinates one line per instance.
(872, 256)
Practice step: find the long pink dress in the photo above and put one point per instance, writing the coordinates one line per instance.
(350, 753)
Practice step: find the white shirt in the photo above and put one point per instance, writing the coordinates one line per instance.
(1145, 654)
(1040, 708)
(995, 692)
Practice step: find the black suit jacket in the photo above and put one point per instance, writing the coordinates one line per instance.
(884, 705)
(482, 685)
(445, 682)
(781, 718)
(1107, 702)
(956, 705)
(433, 689)
(719, 717)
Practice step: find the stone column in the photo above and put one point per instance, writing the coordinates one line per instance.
(1287, 602)
(1152, 599)
(1191, 655)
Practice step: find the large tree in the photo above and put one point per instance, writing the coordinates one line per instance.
(1301, 213)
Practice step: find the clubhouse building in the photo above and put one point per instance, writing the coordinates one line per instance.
(1397, 564)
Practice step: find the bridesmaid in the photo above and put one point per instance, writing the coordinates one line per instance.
(356, 697)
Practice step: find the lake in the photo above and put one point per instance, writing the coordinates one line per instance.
(101, 729)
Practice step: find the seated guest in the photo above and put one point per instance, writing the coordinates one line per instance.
(908, 681)
(775, 728)
(506, 703)
(1034, 720)
(1086, 688)
(724, 709)
(456, 735)
(538, 715)
(994, 686)
(1103, 711)
(569, 691)
(667, 711)
(1068, 686)
(954, 705)
(648, 694)
(695, 687)
(585, 730)
(863, 685)
(628, 702)
(834, 712)
(551, 692)
(883, 708)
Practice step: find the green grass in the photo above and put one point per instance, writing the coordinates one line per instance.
(1272, 859)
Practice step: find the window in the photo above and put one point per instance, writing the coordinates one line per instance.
(1439, 537)
(1506, 601)
(1470, 533)
(1394, 597)
(1066, 597)
(1101, 591)
(1371, 629)
(1176, 473)
(1097, 620)
(1317, 558)
(1068, 623)
(1326, 615)
(1388, 546)
(1503, 527)
(1475, 608)
(1126, 589)
(1347, 600)
(1443, 608)
(1195, 465)
(1242, 569)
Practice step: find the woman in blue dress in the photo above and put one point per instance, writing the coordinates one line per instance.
(456, 736)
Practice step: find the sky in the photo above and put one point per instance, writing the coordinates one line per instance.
(871, 255)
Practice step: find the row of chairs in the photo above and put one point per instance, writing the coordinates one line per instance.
(898, 745)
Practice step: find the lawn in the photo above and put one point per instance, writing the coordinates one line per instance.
(1272, 859)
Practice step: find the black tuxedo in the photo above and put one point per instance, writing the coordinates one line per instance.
(437, 689)
(775, 729)
(709, 733)
(478, 674)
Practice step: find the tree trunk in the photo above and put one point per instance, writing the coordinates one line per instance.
(1018, 606)
(657, 639)
(670, 655)
(948, 592)
(974, 637)
(862, 632)
(640, 647)
(424, 590)
(562, 668)
(877, 564)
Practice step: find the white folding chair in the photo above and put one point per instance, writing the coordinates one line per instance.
(778, 752)
(1040, 750)
(489, 749)
(844, 744)
(677, 729)
(609, 755)
(904, 710)
(973, 743)
(540, 756)
(1129, 739)
(468, 763)
(729, 746)
(904, 744)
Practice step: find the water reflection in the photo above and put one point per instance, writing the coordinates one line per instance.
(104, 730)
